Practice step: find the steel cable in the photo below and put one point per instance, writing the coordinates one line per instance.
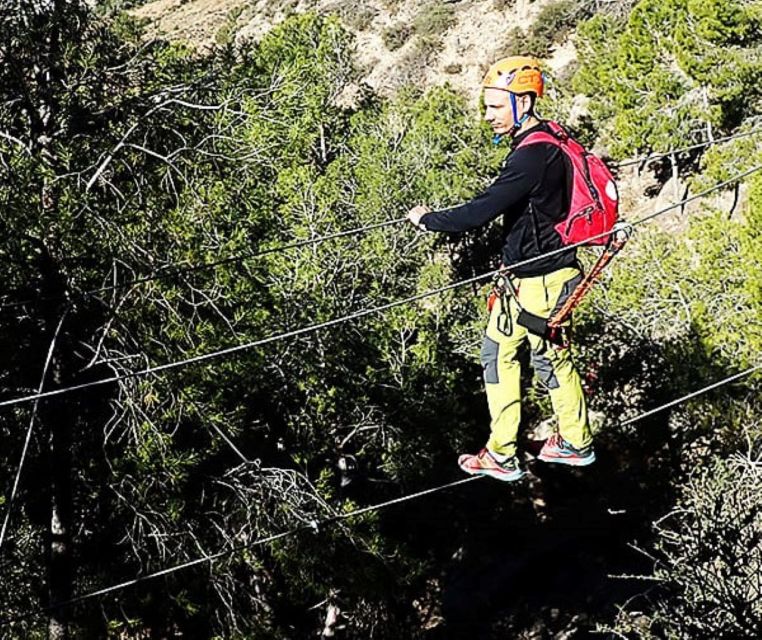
(177, 269)
(317, 524)
(357, 314)
(699, 145)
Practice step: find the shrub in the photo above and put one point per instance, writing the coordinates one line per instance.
(513, 44)
(357, 16)
(671, 69)
(395, 35)
(425, 48)
(226, 33)
(434, 20)
(553, 23)
(708, 560)
(391, 5)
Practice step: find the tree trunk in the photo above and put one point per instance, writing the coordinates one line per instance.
(58, 424)
(56, 420)
(59, 567)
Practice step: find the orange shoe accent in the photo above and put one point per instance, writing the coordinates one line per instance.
(483, 464)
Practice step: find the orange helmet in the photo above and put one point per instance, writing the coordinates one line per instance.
(517, 74)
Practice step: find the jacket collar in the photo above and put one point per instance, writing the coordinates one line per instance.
(538, 127)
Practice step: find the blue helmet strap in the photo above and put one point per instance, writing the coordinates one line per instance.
(516, 121)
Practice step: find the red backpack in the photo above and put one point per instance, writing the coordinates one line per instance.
(594, 206)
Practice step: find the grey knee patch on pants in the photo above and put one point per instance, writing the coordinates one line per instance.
(543, 367)
(489, 360)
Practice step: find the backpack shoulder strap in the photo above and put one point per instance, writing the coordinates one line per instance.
(557, 138)
(557, 130)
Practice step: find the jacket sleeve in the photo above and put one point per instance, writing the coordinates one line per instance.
(521, 172)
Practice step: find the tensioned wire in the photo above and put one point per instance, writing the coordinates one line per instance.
(317, 524)
(177, 269)
(363, 312)
(692, 147)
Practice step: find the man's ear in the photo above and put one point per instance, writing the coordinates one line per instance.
(527, 103)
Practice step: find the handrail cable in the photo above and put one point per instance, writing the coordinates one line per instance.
(178, 269)
(694, 394)
(698, 145)
(357, 314)
(316, 524)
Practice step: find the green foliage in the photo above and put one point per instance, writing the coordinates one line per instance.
(275, 160)
(226, 33)
(424, 51)
(708, 562)
(513, 44)
(670, 71)
(154, 157)
(391, 5)
(357, 16)
(108, 6)
(553, 24)
(695, 283)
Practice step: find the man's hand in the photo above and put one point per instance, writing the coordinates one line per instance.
(416, 213)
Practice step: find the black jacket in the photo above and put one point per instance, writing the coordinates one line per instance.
(532, 194)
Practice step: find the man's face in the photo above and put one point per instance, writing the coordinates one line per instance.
(498, 110)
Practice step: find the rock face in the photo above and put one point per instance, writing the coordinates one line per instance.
(398, 41)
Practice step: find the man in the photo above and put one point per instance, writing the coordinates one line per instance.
(532, 194)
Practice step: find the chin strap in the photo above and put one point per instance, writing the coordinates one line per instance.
(517, 122)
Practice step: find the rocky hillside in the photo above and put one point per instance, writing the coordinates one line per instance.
(398, 41)
(426, 43)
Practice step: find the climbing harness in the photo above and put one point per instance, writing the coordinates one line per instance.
(591, 220)
(554, 329)
(621, 234)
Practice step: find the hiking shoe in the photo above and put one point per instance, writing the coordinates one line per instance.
(556, 449)
(483, 464)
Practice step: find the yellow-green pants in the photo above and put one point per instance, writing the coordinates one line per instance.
(554, 366)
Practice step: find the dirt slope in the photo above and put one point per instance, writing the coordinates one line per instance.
(459, 53)
(477, 36)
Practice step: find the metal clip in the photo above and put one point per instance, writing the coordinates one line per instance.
(620, 234)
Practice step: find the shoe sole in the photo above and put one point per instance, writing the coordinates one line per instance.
(572, 462)
(496, 475)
